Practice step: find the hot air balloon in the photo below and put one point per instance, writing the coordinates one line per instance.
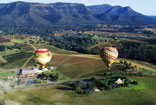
(42, 57)
(109, 55)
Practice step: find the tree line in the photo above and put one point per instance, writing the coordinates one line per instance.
(143, 52)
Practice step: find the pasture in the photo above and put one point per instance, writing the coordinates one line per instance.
(143, 94)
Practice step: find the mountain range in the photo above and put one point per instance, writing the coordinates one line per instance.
(41, 15)
(119, 15)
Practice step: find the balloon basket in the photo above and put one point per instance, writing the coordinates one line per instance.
(44, 69)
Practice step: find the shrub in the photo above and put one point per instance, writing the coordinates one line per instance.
(134, 82)
(90, 85)
(140, 73)
(121, 61)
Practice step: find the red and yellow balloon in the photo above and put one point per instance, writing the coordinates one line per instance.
(42, 57)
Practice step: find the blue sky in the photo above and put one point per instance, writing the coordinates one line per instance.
(147, 7)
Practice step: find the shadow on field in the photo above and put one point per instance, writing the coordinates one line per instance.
(66, 86)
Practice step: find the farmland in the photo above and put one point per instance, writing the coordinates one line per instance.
(67, 62)
(75, 66)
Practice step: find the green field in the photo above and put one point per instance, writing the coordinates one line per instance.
(143, 94)
(15, 60)
(4, 75)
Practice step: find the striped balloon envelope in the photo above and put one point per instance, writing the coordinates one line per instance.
(42, 57)
(109, 55)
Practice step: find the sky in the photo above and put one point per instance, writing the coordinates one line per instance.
(147, 7)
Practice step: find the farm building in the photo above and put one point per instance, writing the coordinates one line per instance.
(31, 72)
(119, 81)
(51, 67)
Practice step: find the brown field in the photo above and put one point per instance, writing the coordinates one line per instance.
(75, 65)
(2, 40)
(8, 36)
(57, 34)
(58, 59)
(22, 36)
(95, 32)
(111, 33)
(77, 60)
(27, 47)
(75, 70)
(151, 29)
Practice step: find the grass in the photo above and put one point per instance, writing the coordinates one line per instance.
(7, 43)
(55, 95)
(4, 75)
(2, 59)
(123, 39)
(17, 40)
(141, 86)
(62, 77)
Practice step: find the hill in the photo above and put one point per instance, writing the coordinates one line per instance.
(119, 15)
(99, 9)
(27, 17)
(41, 16)
(153, 17)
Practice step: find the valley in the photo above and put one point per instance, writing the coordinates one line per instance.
(75, 54)
(71, 65)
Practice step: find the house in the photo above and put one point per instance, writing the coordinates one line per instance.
(30, 72)
(119, 81)
(96, 90)
(10, 77)
(51, 67)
